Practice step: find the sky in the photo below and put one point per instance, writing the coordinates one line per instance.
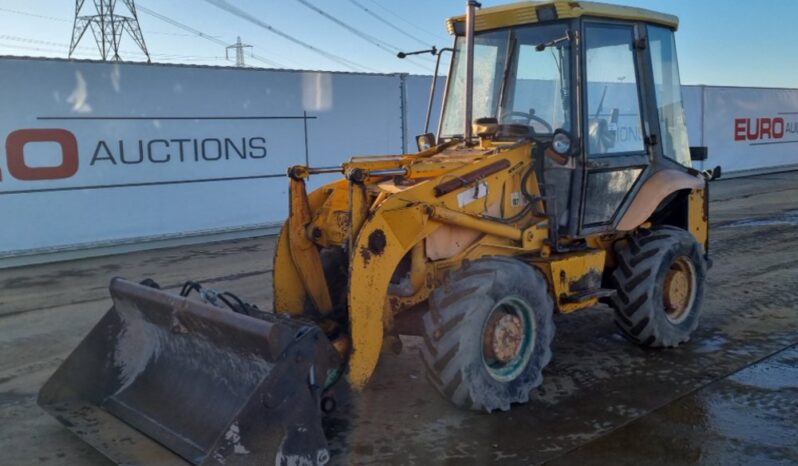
(720, 42)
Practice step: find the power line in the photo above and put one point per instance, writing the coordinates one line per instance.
(388, 23)
(34, 15)
(63, 47)
(203, 35)
(36, 41)
(62, 20)
(392, 49)
(47, 42)
(224, 5)
(410, 23)
(26, 47)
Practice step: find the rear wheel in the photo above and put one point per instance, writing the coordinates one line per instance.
(487, 336)
(660, 285)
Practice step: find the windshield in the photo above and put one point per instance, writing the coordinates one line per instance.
(513, 82)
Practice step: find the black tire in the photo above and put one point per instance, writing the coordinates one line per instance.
(335, 263)
(455, 325)
(645, 260)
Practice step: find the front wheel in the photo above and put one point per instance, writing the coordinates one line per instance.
(659, 286)
(487, 336)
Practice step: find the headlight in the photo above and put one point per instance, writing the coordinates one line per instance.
(425, 141)
(561, 143)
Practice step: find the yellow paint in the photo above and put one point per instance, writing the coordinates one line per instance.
(358, 208)
(519, 13)
(461, 219)
(698, 217)
(289, 289)
(418, 267)
(333, 217)
(304, 252)
(370, 273)
(565, 271)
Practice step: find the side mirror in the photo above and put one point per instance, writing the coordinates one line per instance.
(713, 174)
(425, 141)
(699, 154)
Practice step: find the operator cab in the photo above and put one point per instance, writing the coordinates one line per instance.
(595, 86)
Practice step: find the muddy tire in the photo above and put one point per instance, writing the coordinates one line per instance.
(487, 336)
(660, 286)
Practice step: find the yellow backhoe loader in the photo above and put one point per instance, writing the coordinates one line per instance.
(560, 177)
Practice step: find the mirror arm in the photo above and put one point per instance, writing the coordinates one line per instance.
(434, 84)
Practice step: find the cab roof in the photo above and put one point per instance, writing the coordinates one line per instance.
(514, 14)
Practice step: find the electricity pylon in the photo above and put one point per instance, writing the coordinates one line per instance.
(107, 27)
(239, 52)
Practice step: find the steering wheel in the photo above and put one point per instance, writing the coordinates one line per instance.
(530, 117)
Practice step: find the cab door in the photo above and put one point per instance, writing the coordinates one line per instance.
(615, 144)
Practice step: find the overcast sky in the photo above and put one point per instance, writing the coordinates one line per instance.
(729, 42)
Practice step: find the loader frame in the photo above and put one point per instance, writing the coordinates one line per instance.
(387, 210)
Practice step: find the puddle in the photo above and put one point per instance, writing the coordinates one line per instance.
(778, 373)
(789, 217)
(711, 344)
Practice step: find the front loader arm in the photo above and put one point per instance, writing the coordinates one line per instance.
(385, 222)
(383, 241)
(298, 273)
(304, 252)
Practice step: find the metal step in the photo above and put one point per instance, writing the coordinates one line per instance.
(587, 294)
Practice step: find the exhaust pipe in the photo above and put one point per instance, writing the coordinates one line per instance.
(471, 7)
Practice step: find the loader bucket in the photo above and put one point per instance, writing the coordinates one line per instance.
(162, 379)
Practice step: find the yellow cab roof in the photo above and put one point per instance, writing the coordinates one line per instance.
(514, 14)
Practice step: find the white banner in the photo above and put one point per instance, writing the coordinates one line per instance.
(100, 153)
(751, 129)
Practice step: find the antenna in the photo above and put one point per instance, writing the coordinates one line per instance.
(239, 52)
(107, 27)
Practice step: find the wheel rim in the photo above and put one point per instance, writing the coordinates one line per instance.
(508, 337)
(679, 290)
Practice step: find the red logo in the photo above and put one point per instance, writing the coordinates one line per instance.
(15, 154)
(746, 129)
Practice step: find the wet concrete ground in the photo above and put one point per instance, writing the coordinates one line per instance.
(730, 396)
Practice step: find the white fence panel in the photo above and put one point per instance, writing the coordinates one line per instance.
(108, 153)
(748, 129)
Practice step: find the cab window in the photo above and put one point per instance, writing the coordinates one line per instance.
(668, 91)
(614, 117)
